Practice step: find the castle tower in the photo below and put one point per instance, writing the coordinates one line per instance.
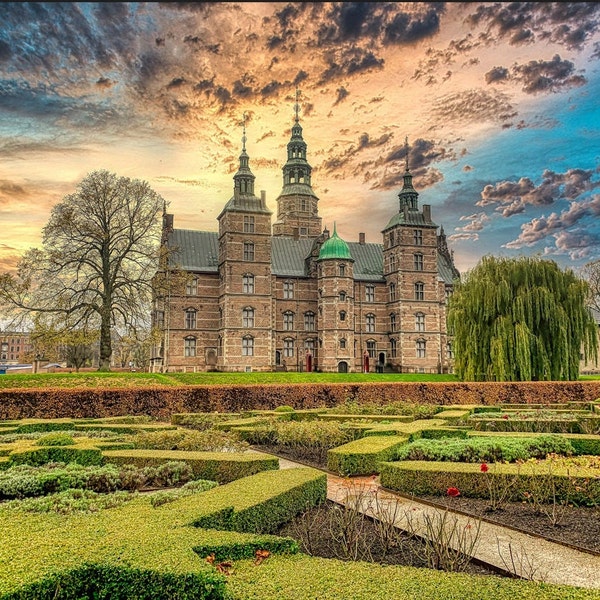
(336, 305)
(245, 340)
(297, 204)
(410, 266)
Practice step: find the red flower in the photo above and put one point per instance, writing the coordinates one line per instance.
(452, 491)
(484, 468)
(505, 416)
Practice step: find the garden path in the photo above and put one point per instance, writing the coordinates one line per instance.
(505, 549)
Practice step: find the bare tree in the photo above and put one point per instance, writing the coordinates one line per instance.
(99, 253)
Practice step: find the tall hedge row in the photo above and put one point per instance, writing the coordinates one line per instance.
(163, 402)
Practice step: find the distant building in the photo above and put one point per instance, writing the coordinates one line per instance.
(15, 347)
(291, 295)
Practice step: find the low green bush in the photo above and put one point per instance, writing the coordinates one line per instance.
(61, 454)
(362, 457)
(482, 449)
(215, 466)
(578, 486)
(208, 440)
(55, 439)
(193, 487)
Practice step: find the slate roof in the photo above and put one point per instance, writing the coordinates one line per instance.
(411, 217)
(199, 251)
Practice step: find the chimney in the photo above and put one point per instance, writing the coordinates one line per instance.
(263, 196)
(361, 238)
(427, 213)
(296, 233)
(168, 222)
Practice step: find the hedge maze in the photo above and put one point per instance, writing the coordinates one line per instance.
(219, 541)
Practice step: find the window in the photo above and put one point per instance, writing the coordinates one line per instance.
(309, 321)
(342, 270)
(309, 346)
(418, 237)
(303, 231)
(191, 287)
(342, 296)
(189, 346)
(288, 347)
(372, 348)
(449, 351)
(392, 322)
(420, 322)
(448, 291)
(392, 292)
(421, 344)
(248, 224)
(391, 238)
(342, 315)
(419, 291)
(248, 346)
(393, 348)
(248, 251)
(303, 202)
(343, 343)
(288, 290)
(248, 284)
(370, 293)
(288, 321)
(248, 317)
(392, 262)
(370, 320)
(418, 261)
(159, 319)
(190, 318)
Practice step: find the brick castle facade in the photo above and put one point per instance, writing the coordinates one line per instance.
(290, 295)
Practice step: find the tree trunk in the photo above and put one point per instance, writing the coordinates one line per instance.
(105, 341)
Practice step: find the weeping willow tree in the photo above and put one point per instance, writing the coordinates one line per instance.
(521, 319)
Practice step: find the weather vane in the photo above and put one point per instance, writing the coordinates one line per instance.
(406, 146)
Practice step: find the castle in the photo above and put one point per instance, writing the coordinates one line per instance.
(290, 295)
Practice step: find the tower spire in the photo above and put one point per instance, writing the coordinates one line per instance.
(406, 147)
(297, 105)
(244, 133)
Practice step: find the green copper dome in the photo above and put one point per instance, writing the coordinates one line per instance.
(335, 247)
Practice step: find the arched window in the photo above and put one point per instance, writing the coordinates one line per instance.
(288, 320)
(248, 283)
(342, 296)
(393, 347)
(370, 323)
(419, 322)
(248, 346)
(393, 322)
(190, 318)
(342, 315)
(309, 321)
(419, 291)
(372, 348)
(248, 317)
(189, 346)
(421, 348)
(343, 344)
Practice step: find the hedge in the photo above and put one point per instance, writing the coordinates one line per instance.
(125, 544)
(362, 457)
(428, 478)
(161, 402)
(582, 443)
(215, 466)
(66, 454)
(304, 577)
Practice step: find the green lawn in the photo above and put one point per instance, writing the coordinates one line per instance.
(128, 380)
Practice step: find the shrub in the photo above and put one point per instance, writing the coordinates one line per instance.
(55, 439)
(64, 454)
(208, 440)
(169, 474)
(285, 408)
(192, 487)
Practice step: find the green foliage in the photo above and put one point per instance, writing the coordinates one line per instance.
(284, 408)
(208, 440)
(520, 319)
(362, 457)
(481, 449)
(60, 454)
(396, 407)
(192, 487)
(56, 439)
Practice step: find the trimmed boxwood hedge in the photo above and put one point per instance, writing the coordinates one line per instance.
(428, 478)
(215, 466)
(362, 457)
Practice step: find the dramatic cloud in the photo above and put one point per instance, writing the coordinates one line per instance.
(514, 196)
(473, 105)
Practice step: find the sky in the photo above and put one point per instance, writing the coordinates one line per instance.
(499, 102)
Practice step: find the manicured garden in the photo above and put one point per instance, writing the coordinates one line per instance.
(196, 506)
